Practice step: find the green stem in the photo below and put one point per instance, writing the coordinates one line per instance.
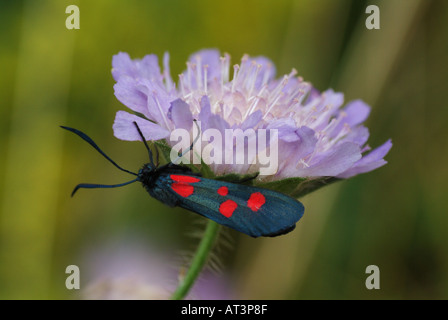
(199, 260)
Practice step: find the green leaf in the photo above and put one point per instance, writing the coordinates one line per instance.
(203, 169)
(297, 187)
(247, 179)
(312, 185)
(164, 150)
(286, 186)
(206, 172)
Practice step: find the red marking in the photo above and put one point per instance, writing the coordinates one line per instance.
(182, 189)
(181, 186)
(223, 191)
(256, 201)
(185, 179)
(227, 207)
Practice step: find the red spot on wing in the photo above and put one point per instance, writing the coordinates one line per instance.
(182, 189)
(227, 207)
(256, 201)
(181, 186)
(185, 179)
(223, 191)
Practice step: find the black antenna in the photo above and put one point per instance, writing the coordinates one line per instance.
(151, 159)
(191, 146)
(93, 185)
(93, 144)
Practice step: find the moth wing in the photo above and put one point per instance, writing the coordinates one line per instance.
(250, 210)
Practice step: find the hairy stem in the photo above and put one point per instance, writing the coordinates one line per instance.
(199, 260)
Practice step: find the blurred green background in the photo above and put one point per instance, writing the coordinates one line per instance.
(395, 217)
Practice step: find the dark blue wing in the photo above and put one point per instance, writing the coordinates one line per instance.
(251, 210)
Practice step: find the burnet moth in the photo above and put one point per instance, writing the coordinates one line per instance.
(250, 210)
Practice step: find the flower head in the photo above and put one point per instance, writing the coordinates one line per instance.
(317, 136)
(131, 270)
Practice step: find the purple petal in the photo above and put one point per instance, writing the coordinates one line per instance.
(313, 94)
(122, 65)
(125, 129)
(166, 73)
(358, 135)
(210, 120)
(206, 57)
(180, 114)
(332, 100)
(267, 71)
(378, 153)
(357, 112)
(140, 87)
(252, 120)
(158, 101)
(147, 68)
(294, 151)
(205, 113)
(217, 122)
(127, 93)
(329, 100)
(369, 162)
(235, 116)
(308, 140)
(286, 129)
(333, 163)
(259, 70)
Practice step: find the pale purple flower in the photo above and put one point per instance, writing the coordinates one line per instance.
(318, 135)
(123, 269)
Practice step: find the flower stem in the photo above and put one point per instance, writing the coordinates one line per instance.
(199, 260)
